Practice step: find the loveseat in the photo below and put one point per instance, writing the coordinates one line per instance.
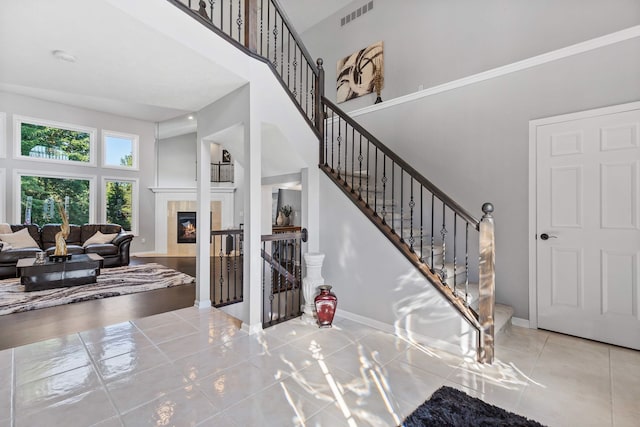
(109, 241)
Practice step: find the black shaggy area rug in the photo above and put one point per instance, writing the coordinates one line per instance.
(451, 407)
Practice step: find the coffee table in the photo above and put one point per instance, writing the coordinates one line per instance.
(81, 269)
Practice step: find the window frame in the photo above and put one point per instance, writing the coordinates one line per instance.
(3, 184)
(135, 144)
(17, 189)
(3, 135)
(134, 200)
(17, 134)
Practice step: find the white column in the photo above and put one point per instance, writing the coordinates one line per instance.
(203, 212)
(310, 178)
(253, 215)
(313, 279)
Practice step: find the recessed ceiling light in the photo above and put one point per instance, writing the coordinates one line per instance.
(190, 117)
(63, 56)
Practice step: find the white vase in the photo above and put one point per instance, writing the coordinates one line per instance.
(280, 219)
(313, 279)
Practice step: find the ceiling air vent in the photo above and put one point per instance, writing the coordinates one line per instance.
(356, 13)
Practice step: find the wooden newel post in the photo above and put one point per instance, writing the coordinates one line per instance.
(486, 309)
(251, 25)
(319, 116)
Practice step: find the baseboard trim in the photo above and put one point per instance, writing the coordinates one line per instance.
(409, 336)
(534, 61)
(201, 304)
(523, 323)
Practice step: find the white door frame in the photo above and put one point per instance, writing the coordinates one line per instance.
(533, 191)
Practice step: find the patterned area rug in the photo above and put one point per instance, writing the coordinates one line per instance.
(111, 282)
(449, 407)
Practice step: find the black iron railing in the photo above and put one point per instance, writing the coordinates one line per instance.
(226, 267)
(440, 237)
(222, 172)
(262, 28)
(281, 277)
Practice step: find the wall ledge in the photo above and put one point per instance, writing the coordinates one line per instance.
(534, 61)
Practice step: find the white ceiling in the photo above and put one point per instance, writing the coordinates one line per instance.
(126, 69)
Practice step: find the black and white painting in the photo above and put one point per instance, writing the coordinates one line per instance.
(356, 72)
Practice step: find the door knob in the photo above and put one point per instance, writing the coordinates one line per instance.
(545, 236)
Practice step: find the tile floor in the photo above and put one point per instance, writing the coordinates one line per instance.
(191, 367)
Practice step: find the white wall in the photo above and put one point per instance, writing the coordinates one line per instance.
(21, 105)
(429, 42)
(374, 281)
(473, 141)
(177, 161)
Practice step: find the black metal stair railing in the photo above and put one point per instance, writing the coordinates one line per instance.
(282, 276)
(227, 285)
(261, 27)
(435, 233)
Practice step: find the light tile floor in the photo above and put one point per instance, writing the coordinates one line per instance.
(196, 367)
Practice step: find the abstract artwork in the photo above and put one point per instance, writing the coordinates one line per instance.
(357, 72)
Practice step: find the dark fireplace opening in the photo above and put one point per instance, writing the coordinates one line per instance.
(186, 227)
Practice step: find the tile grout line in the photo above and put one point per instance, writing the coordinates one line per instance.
(99, 375)
(13, 388)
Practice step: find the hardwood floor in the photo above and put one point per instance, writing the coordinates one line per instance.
(24, 328)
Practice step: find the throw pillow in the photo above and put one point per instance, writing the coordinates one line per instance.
(5, 229)
(19, 239)
(99, 238)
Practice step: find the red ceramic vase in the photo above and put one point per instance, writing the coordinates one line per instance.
(326, 303)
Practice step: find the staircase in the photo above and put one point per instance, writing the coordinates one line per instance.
(452, 249)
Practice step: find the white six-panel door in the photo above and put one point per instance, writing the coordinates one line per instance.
(588, 228)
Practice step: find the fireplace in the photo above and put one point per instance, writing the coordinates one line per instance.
(186, 227)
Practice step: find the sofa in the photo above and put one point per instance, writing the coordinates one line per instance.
(81, 240)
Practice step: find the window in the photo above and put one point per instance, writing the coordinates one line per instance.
(121, 202)
(40, 195)
(119, 150)
(49, 141)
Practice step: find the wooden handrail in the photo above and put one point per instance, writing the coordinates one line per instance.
(452, 204)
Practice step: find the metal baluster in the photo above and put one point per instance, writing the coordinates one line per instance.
(412, 204)
(360, 168)
(346, 151)
(275, 41)
(393, 198)
(213, 273)
(466, 265)
(286, 278)
(231, 18)
(261, 27)
(221, 15)
(333, 125)
(402, 205)
(353, 157)
(443, 233)
(421, 223)
(288, 58)
(281, 46)
(306, 109)
(368, 178)
(236, 241)
(295, 67)
(221, 280)
(384, 187)
(375, 184)
(264, 300)
(455, 258)
(228, 277)
(326, 135)
(432, 264)
(339, 142)
(268, 26)
(239, 20)
(313, 96)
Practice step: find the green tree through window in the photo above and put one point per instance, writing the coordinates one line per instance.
(39, 196)
(54, 143)
(119, 206)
